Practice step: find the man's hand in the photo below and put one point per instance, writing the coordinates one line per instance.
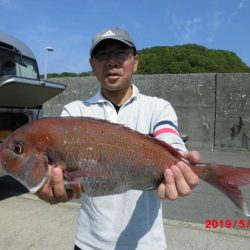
(179, 178)
(54, 191)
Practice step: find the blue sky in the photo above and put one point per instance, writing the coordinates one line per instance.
(69, 26)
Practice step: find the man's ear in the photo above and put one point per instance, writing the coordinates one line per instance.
(136, 63)
(92, 64)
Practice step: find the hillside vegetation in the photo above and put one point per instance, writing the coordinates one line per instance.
(188, 58)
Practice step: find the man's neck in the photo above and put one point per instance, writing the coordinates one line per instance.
(118, 97)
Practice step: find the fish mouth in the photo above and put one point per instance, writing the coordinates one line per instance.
(36, 188)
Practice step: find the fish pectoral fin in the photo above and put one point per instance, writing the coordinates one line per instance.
(35, 173)
(73, 178)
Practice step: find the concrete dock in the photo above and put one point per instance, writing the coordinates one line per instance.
(28, 223)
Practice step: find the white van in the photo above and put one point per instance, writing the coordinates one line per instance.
(22, 92)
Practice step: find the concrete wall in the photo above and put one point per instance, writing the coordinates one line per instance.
(232, 111)
(213, 109)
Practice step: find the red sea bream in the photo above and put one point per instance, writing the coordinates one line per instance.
(105, 158)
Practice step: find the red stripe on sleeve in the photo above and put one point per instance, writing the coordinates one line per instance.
(165, 130)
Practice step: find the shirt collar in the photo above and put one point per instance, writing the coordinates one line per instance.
(99, 98)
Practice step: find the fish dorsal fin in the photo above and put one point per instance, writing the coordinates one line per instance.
(170, 149)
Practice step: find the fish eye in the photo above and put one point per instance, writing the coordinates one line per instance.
(18, 149)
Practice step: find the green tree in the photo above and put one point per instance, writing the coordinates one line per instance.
(189, 58)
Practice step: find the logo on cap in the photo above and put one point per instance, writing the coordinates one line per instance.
(108, 33)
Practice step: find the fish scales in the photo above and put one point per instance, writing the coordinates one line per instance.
(104, 158)
(118, 157)
(111, 162)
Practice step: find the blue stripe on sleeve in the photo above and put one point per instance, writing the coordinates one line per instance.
(165, 122)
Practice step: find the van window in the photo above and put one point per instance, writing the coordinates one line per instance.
(28, 69)
(17, 65)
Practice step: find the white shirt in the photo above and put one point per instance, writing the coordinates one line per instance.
(132, 220)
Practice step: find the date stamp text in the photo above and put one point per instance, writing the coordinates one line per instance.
(227, 223)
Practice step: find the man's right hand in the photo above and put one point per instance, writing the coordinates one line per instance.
(54, 191)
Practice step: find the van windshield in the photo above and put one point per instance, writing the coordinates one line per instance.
(15, 64)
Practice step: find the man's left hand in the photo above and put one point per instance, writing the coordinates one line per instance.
(179, 179)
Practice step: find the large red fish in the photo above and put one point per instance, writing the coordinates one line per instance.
(105, 158)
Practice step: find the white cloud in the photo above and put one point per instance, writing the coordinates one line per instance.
(215, 20)
(186, 30)
(214, 23)
(242, 4)
(190, 28)
(10, 4)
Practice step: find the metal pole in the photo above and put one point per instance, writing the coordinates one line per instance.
(46, 64)
(46, 61)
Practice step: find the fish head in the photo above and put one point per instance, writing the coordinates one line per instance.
(24, 161)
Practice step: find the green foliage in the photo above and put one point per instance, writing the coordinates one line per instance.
(189, 58)
(67, 74)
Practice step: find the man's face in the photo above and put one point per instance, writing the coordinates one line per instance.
(114, 63)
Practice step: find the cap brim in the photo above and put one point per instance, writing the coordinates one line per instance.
(110, 38)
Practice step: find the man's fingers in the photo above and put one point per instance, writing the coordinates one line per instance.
(179, 181)
(181, 184)
(193, 156)
(58, 186)
(168, 188)
(54, 190)
(190, 177)
(171, 191)
(46, 193)
(77, 191)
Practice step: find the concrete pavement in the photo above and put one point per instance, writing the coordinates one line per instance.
(30, 224)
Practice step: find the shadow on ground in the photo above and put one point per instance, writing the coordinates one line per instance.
(9, 187)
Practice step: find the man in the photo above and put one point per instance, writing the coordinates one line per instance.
(132, 220)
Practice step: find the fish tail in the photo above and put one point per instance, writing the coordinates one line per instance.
(227, 179)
